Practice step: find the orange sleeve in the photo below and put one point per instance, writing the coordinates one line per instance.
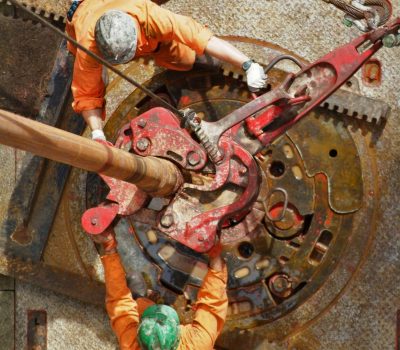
(165, 25)
(87, 84)
(121, 307)
(211, 308)
(69, 28)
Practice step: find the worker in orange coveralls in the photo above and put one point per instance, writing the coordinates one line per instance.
(120, 30)
(143, 325)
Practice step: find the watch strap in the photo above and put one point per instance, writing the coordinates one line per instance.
(246, 65)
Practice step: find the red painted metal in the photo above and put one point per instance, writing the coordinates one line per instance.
(322, 78)
(96, 220)
(372, 72)
(255, 125)
(125, 199)
(199, 229)
(165, 138)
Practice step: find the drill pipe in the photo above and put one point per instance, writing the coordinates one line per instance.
(158, 177)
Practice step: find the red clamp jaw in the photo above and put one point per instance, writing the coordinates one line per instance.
(124, 199)
(198, 211)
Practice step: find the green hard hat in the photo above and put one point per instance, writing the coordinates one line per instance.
(159, 328)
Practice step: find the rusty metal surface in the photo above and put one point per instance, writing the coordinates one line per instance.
(25, 228)
(333, 154)
(52, 9)
(22, 90)
(37, 330)
(357, 106)
(57, 279)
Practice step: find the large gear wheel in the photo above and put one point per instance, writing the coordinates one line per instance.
(282, 263)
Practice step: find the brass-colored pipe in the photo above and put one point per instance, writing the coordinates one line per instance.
(158, 177)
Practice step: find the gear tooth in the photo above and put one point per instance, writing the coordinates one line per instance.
(339, 109)
(328, 106)
(226, 72)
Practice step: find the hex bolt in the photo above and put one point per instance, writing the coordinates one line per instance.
(142, 123)
(243, 170)
(281, 285)
(193, 158)
(167, 220)
(143, 144)
(391, 40)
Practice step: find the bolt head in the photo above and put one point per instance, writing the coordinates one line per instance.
(243, 170)
(281, 285)
(389, 40)
(141, 123)
(193, 158)
(167, 220)
(143, 144)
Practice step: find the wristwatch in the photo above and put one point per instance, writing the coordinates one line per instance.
(246, 65)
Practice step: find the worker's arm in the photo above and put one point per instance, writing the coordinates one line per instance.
(211, 308)
(88, 90)
(121, 307)
(93, 119)
(166, 26)
(226, 52)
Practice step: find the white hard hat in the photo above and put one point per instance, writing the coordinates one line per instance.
(116, 36)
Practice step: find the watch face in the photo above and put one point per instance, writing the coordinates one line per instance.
(246, 65)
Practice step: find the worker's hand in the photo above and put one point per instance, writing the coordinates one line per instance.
(107, 242)
(256, 78)
(98, 134)
(217, 263)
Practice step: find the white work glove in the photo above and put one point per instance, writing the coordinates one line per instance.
(256, 78)
(98, 135)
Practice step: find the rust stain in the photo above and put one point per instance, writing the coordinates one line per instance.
(398, 331)
(37, 330)
(22, 235)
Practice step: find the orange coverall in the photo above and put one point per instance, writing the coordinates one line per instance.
(172, 39)
(124, 311)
